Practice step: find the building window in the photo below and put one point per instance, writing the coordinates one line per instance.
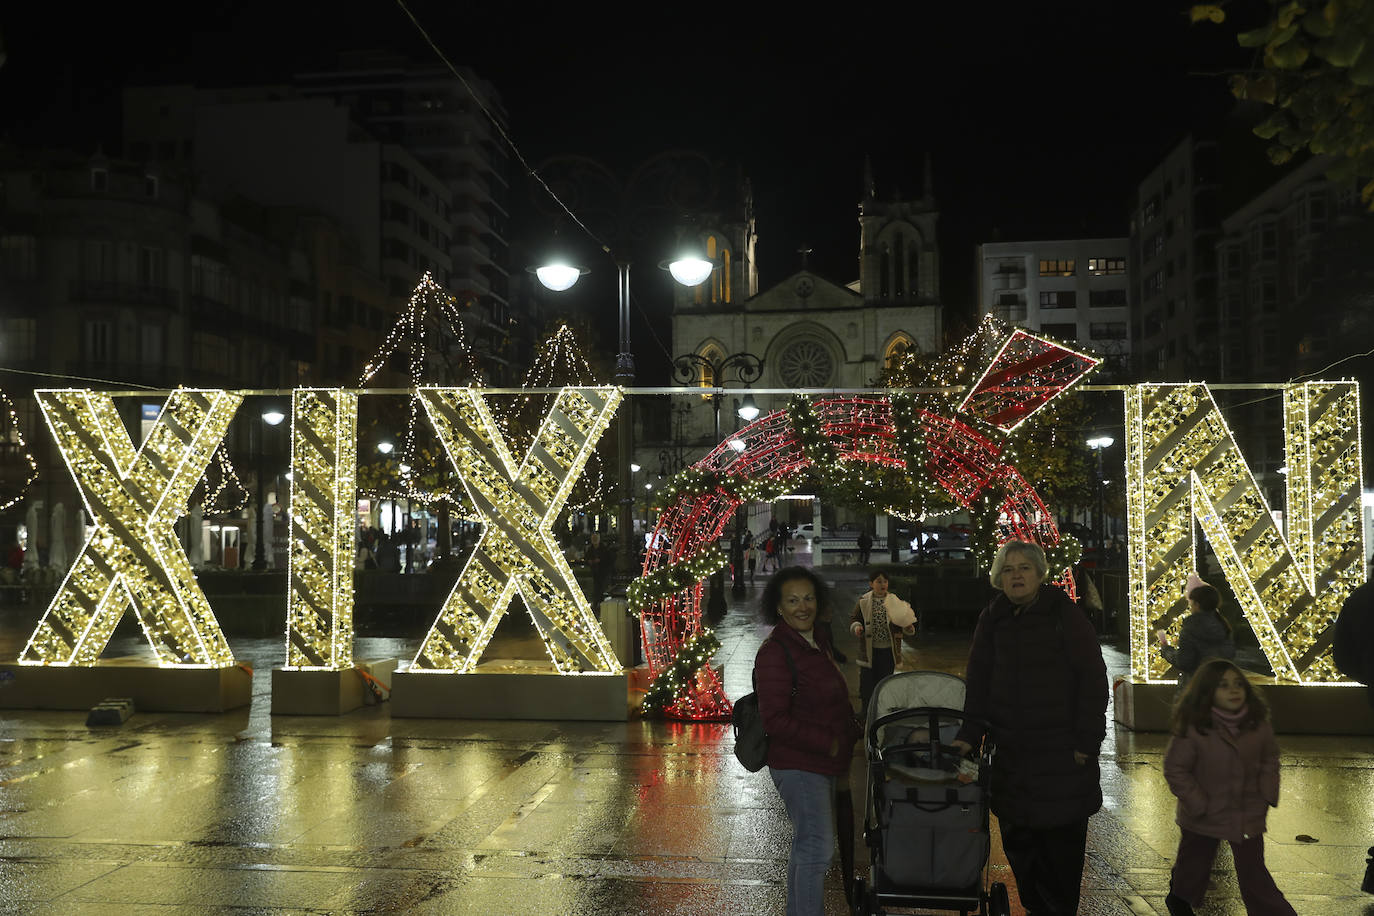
(1065, 331)
(152, 266)
(1101, 267)
(706, 376)
(1154, 284)
(1057, 268)
(97, 341)
(1100, 298)
(806, 364)
(1150, 211)
(1058, 299)
(209, 353)
(100, 180)
(19, 256)
(1264, 241)
(21, 339)
(150, 344)
(100, 261)
(1107, 330)
(150, 186)
(901, 345)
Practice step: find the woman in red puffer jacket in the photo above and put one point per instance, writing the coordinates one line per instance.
(811, 726)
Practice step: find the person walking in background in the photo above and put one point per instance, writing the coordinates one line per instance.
(1223, 765)
(1205, 633)
(879, 620)
(865, 546)
(804, 703)
(1036, 676)
(770, 552)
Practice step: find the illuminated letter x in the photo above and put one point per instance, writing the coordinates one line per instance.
(517, 550)
(133, 557)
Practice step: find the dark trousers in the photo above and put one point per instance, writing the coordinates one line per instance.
(1048, 865)
(1193, 866)
(882, 665)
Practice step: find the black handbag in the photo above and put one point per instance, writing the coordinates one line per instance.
(751, 741)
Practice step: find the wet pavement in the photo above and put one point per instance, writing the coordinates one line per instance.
(244, 812)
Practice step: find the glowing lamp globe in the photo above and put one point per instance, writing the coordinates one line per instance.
(691, 271)
(557, 277)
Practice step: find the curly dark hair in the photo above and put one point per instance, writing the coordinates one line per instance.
(1194, 707)
(772, 593)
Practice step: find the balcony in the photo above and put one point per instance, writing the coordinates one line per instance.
(107, 291)
(1011, 314)
(1008, 280)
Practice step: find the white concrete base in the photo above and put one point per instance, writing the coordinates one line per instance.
(1294, 709)
(615, 621)
(331, 692)
(505, 695)
(152, 689)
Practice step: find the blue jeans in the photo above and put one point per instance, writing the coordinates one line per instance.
(810, 802)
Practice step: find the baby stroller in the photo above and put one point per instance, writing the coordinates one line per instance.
(926, 818)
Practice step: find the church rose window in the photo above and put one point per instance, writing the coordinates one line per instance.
(806, 364)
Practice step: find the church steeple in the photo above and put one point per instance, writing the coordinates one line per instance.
(898, 251)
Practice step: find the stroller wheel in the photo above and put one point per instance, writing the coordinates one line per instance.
(858, 903)
(999, 902)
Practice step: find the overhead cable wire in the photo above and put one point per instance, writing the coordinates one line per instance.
(510, 142)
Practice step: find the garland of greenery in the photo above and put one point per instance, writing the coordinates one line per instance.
(910, 492)
(666, 581)
(695, 652)
(692, 482)
(648, 590)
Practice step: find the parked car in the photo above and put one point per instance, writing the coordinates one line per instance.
(943, 553)
(805, 532)
(1078, 530)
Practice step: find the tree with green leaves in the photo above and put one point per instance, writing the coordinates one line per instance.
(1314, 64)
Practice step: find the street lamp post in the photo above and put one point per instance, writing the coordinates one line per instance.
(271, 416)
(747, 369)
(386, 446)
(690, 270)
(1099, 444)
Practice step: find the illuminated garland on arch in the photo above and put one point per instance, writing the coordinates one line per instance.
(854, 445)
(659, 584)
(695, 654)
(17, 436)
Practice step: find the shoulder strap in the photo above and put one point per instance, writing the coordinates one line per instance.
(787, 654)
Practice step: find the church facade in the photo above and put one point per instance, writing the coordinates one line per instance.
(808, 330)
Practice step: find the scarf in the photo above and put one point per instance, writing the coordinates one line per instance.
(1229, 720)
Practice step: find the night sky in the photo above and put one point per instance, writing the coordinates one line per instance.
(1039, 118)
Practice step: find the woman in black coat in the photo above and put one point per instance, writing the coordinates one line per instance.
(1035, 673)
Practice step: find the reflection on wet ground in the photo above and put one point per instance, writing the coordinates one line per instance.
(244, 812)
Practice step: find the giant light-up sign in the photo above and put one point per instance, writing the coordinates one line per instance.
(1183, 467)
(134, 497)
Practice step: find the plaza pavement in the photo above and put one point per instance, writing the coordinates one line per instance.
(243, 812)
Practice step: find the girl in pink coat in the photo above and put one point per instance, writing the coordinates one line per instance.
(1223, 764)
